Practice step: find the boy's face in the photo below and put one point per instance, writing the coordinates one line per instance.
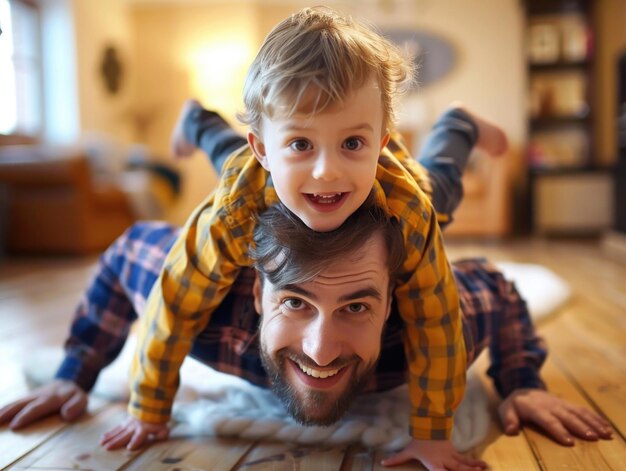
(324, 166)
(320, 340)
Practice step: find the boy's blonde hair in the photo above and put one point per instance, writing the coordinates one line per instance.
(316, 58)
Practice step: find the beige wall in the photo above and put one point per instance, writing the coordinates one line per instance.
(190, 50)
(98, 24)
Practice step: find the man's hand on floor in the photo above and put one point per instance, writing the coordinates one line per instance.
(560, 419)
(61, 396)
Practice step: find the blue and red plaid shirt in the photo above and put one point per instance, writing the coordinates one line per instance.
(494, 316)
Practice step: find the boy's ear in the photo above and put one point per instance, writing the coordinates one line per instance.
(258, 148)
(385, 139)
(256, 291)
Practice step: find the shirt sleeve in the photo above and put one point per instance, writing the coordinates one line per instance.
(429, 305)
(90, 347)
(101, 322)
(198, 273)
(517, 351)
(495, 316)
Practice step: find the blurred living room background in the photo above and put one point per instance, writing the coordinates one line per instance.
(90, 91)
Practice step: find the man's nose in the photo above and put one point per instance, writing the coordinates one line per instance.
(328, 166)
(321, 341)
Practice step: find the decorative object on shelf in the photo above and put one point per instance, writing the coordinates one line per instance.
(543, 43)
(567, 148)
(576, 40)
(558, 94)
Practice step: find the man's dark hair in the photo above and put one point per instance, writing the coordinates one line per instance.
(286, 251)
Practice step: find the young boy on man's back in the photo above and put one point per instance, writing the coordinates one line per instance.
(319, 102)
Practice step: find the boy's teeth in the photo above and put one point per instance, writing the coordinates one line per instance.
(317, 373)
(327, 198)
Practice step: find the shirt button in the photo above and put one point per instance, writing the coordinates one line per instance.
(230, 220)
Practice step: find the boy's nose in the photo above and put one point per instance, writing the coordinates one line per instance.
(321, 342)
(327, 167)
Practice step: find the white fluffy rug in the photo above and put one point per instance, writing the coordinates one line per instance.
(211, 403)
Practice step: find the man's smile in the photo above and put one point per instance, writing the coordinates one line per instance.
(317, 373)
(316, 378)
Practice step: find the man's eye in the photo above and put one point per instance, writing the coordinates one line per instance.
(356, 308)
(294, 304)
(300, 145)
(353, 143)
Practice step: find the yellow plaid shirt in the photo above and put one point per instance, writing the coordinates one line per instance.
(213, 246)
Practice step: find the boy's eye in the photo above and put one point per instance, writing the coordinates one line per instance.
(294, 304)
(300, 145)
(353, 143)
(356, 308)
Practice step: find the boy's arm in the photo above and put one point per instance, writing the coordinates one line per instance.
(429, 304)
(198, 272)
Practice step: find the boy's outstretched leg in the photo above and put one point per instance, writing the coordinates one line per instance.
(199, 128)
(447, 149)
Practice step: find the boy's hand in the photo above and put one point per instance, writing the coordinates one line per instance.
(133, 433)
(560, 419)
(61, 396)
(435, 455)
(179, 145)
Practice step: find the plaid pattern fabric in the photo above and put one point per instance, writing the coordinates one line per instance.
(438, 172)
(118, 290)
(494, 316)
(213, 247)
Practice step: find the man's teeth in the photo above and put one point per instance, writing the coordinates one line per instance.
(318, 373)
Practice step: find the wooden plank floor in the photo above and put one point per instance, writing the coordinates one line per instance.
(586, 365)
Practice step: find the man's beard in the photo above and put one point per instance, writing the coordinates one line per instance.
(313, 407)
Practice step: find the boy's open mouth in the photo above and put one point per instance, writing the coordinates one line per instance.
(325, 201)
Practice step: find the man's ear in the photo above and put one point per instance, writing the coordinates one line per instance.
(385, 139)
(256, 291)
(258, 149)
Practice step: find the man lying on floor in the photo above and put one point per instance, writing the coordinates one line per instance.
(317, 327)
